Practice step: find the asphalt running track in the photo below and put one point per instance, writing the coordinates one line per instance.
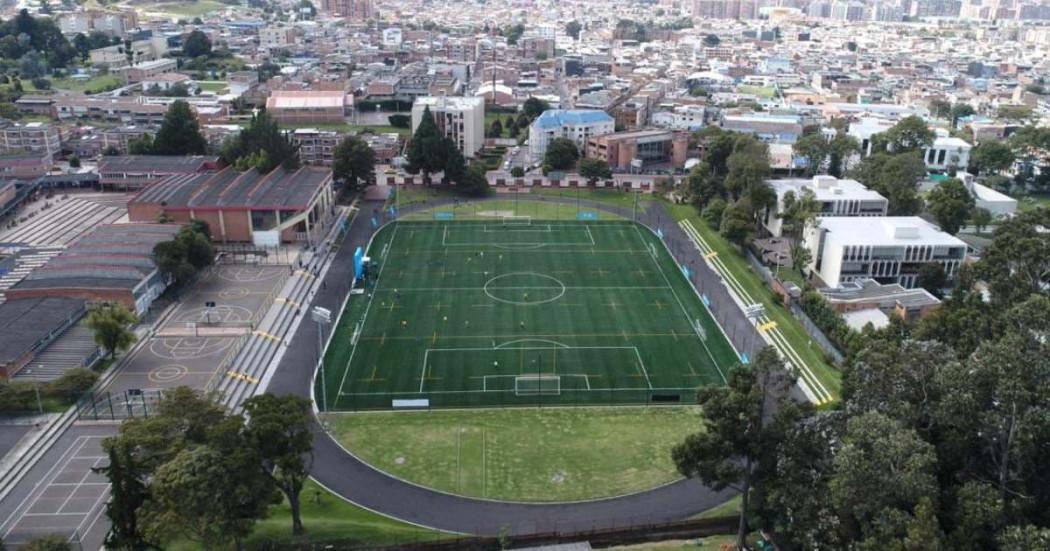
(368, 487)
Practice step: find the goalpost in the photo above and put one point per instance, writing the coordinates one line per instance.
(537, 384)
(517, 220)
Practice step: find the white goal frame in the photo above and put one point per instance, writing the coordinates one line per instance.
(541, 380)
(515, 220)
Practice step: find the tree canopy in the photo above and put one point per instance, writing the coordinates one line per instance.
(561, 154)
(261, 145)
(179, 133)
(353, 162)
(951, 204)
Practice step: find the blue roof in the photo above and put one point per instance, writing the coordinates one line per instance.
(554, 118)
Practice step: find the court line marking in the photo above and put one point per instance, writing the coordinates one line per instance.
(22, 510)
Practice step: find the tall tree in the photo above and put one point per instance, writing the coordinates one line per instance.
(264, 139)
(896, 177)
(533, 108)
(951, 204)
(279, 428)
(736, 440)
(110, 323)
(561, 154)
(594, 170)
(879, 477)
(179, 133)
(799, 212)
(573, 28)
(353, 162)
(426, 151)
(196, 44)
(128, 494)
(910, 134)
(991, 157)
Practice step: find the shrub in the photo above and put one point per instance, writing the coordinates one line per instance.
(72, 384)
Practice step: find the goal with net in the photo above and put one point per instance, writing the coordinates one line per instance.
(517, 220)
(537, 384)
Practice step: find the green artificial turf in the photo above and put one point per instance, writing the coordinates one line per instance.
(513, 314)
(554, 454)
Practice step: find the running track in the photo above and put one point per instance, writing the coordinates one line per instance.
(363, 485)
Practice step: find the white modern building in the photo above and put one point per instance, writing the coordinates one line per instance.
(682, 117)
(887, 249)
(460, 118)
(947, 152)
(577, 125)
(836, 197)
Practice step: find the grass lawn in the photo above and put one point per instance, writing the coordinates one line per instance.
(760, 91)
(328, 518)
(216, 86)
(496, 209)
(1032, 202)
(792, 330)
(523, 454)
(612, 197)
(489, 117)
(194, 8)
(97, 83)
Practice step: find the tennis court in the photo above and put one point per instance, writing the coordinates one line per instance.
(515, 311)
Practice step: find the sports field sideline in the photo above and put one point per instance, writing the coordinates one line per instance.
(522, 312)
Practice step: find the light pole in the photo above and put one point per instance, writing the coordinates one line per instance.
(323, 316)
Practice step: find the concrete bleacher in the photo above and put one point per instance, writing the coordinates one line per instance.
(66, 220)
(24, 263)
(75, 348)
(260, 348)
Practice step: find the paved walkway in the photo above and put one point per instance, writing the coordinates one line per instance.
(360, 483)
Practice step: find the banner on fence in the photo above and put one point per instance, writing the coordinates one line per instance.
(587, 215)
(359, 263)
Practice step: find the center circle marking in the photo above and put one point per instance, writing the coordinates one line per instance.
(168, 373)
(557, 285)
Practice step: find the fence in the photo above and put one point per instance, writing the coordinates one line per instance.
(117, 406)
(811, 328)
(627, 532)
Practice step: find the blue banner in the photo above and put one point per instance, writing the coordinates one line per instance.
(359, 264)
(685, 270)
(744, 359)
(707, 301)
(444, 215)
(660, 233)
(587, 215)
(375, 223)
(393, 211)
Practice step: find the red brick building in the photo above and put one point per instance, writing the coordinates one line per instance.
(266, 209)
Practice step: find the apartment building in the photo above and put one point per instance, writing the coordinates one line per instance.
(887, 249)
(34, 137)
(639, 149)
(316, 146)
(354, 10)
(460, 118)
(150, 69)
(681, 117)
(578, 125)
(836, 197)
(24, 166)
(118, 110)
(276, 36)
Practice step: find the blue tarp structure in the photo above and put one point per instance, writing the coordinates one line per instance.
(359, 263)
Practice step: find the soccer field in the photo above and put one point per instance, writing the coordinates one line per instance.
(522, 312)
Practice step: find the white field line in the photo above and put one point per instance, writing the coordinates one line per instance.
(685, 312)
(813, 388)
